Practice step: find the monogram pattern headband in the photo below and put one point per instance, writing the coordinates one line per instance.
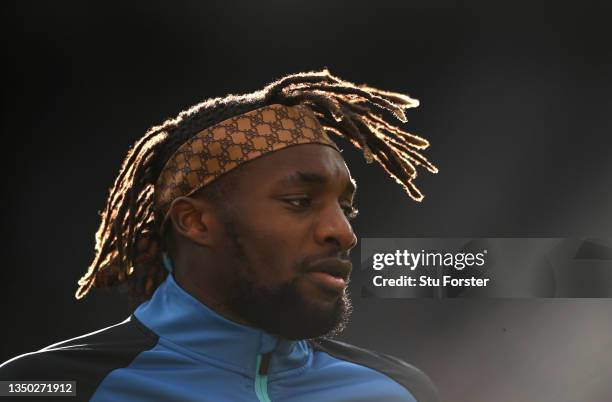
(218, 149)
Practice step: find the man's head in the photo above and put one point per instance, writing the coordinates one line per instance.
(274, 254)
(263, 248)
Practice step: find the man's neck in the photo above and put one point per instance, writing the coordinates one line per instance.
(207, 297)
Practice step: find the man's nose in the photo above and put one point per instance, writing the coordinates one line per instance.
(334, 227)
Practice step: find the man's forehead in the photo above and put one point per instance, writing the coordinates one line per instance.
(313, 164)
(315, 178)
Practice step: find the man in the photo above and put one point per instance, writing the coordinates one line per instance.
(246, 202)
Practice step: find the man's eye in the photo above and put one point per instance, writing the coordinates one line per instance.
(350, 211)
(300, 202)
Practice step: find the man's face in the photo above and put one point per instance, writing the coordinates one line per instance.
(288, 237)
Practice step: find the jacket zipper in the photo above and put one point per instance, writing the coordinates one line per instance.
(261, 377)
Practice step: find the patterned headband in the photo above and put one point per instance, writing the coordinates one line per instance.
(220, 148)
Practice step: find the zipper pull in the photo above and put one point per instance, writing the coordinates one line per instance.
(265, 363)
(261, 377)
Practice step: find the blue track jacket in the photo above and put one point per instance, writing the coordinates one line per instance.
(174, 348)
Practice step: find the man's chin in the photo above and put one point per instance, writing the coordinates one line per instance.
(317, 318)
(289, 313)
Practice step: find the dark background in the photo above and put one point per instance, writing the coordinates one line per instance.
(515, 100)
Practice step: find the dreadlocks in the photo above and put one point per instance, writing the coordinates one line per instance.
(129, 239)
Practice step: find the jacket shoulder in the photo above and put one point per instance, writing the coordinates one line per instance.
(86, 359)
(407, 375)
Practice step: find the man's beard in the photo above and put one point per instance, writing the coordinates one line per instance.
(283, 310)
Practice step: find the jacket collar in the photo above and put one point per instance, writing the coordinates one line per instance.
(178, 317)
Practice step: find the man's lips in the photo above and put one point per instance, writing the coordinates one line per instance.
(331, 273)
(333, 266)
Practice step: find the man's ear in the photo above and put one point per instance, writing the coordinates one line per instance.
(192, 219)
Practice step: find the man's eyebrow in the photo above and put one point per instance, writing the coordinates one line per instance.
(299, 177)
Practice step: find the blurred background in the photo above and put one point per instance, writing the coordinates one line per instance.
(515, 99)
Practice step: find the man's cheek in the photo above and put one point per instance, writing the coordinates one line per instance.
(271, 270)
